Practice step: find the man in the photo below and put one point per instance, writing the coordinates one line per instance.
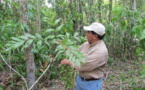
(92, 72)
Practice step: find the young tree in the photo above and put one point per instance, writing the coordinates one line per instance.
(30, 64)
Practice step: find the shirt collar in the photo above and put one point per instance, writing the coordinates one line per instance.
(93, 44)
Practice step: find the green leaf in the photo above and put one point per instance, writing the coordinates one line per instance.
(38, 36)
(56, 22)
(60, 47)
(23, 37)
(8, 49)
(28, 43)
(60, 36)
(76, 34)
(24, 27)
(71, 56)
(39, 42)
(67, 35)
(59, 28)
(68, 52)
(50, 37)
(8, 45)
(142, 43)
(30, 35)
(16, 39)
(45, 19)
(82, 60)
(60, 51)
(45, 41)
(49, 30)
(78, 63)
(73, 59)
(142, 34)
(17, 44)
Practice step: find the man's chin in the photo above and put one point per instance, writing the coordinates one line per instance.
(89, 42)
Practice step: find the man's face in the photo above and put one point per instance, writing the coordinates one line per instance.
(90, 37)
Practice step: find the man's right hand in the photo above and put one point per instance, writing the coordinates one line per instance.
(65, 62)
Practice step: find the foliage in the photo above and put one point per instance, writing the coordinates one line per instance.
(47, 42)
(61, 32)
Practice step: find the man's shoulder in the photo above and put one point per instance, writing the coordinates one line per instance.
(85, 43)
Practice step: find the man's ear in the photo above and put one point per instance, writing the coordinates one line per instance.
(96, 36)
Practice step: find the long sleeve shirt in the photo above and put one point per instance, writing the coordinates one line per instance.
(96, 60)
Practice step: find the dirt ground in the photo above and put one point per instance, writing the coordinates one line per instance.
(120, 76)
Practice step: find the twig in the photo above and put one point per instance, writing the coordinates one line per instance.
(120, 84)
(14, 70)
(43, 72)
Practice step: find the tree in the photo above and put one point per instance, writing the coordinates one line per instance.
(30, 64)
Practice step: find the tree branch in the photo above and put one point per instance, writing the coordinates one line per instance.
(14, 70)
(52, 60)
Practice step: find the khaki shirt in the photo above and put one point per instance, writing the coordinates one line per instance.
(97, 57)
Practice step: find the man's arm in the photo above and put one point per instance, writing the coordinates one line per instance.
(92, 62)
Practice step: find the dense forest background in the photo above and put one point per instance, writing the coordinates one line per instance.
(36, 34)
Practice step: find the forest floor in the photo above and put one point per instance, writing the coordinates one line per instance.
(120, 76)
(125, 75)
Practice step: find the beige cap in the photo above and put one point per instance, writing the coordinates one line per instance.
(96, 27)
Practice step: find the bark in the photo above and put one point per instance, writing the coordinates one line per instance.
(133, 7)
(30, 65)
(79, 7)
(81, 13)
(110, 10)
(124, 2)
(75, 22)
(38, 23)
(92, 15)
(99, 8)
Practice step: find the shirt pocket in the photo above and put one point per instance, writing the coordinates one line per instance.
(91, 51)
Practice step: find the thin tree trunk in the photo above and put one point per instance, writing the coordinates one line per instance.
(75, 22)
(38, 23)
(133, 7)
(30, 65)
(110, 10)
(81, 13)
(92, 15)
(99, 8)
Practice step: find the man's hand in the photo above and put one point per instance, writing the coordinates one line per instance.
(65, 62)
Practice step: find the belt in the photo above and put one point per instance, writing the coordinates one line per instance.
(89, 79)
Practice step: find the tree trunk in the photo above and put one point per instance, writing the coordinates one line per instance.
(92, 15)
(75, 22)
(30, 65)
(110, 10)
(133, 8)
(38, 23)
(99, 8)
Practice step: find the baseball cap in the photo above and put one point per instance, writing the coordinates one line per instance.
(96, 27)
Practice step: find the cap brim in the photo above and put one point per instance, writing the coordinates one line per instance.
(87, 28)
